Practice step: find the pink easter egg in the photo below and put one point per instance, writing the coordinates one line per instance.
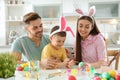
(117, 77)
(19, 68)
(97, 78)
(71, 77)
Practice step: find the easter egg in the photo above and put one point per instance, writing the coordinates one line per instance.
(117, 76)
(111, 78)
(32, 63)
(19, 68)
(92, 70)
(23, 65)
(87, 69)
(71, 77)
(105, 75)
(68, 71)
(74, 72)
(26, 68)
(27, 74)
(80, 64)
(112, 73)
(26, 64)
(103, 79)
(96, 78)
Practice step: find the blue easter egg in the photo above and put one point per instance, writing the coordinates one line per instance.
(111, 78)
(105, 75)
(26, 68)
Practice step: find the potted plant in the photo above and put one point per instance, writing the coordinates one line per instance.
(7, 65)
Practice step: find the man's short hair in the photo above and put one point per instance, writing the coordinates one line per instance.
(30, 17)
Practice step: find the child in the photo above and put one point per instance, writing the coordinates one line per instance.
(55, 52)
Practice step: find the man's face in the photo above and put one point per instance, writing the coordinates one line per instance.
(35, 28)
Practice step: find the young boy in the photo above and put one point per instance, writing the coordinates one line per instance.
(54, 52)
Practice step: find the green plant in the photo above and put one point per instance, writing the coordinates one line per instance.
(7, 65)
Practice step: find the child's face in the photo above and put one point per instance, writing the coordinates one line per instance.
(57, 41)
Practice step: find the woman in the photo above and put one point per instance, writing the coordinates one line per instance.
(90, 44)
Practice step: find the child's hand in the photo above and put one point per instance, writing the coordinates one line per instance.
(87, 65)
(49, 63)
(70, 63)
(64, 63)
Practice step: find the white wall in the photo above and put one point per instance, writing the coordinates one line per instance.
(2, 24)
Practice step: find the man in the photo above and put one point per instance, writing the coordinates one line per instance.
(31, 44)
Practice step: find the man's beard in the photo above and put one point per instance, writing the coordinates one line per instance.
(37, 34)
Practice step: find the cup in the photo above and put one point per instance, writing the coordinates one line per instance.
(34, 68)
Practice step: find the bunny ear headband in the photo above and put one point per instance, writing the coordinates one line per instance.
(90, 13)
(63, 27)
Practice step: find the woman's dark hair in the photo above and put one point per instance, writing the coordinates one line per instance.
(94, 31)
(61, 33)
(30, 17)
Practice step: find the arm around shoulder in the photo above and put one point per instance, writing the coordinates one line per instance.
(16, 50)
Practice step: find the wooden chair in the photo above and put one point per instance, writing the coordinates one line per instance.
(115, 56)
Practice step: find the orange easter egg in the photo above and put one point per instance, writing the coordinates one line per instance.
(87, 69)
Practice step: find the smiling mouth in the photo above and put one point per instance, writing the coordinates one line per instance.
(39, 33)
(82, 33)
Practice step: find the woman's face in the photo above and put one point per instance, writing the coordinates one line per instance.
(84, 28)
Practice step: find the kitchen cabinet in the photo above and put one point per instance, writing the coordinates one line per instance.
(49, 11)
(106, 10)
(14, 12)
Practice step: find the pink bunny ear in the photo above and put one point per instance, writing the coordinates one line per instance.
(69, 29)
(91, 11)
(63, 23)
(79, 11)
(63, 26)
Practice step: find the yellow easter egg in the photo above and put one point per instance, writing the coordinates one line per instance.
(27, 74)
(32, 63)
(112, 73)
(103, 79)
(23, 65)
(26, 64)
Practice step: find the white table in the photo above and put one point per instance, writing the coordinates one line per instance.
(44, 75)
(60, 74)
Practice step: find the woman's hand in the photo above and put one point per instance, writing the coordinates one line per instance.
(96, 64)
